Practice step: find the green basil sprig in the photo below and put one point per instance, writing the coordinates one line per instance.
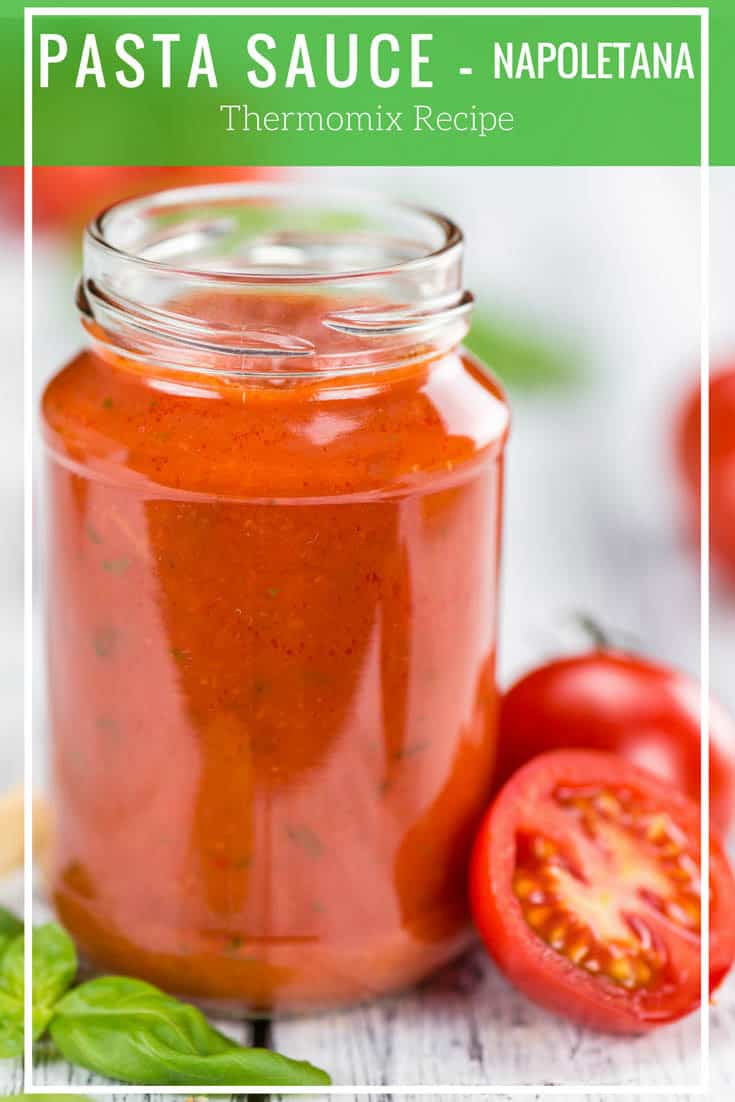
(124, 1028)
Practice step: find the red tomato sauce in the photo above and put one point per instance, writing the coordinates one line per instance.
(271, 645)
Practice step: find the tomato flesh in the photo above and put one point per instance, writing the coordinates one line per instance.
(642, 853)
(585, 887)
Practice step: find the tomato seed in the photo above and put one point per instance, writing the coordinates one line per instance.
(557, 937)
(607, 804)
(621, 970)
(537, 916)
(643, 973)
(543, 849)
(523, 887)
(577, 951)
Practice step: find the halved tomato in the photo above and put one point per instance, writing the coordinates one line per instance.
(585, 887)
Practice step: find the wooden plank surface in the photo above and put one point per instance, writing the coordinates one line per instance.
(466, 1026)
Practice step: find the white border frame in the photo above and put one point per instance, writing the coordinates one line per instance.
(512, 1089)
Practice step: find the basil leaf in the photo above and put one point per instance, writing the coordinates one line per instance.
(128, 1030)
(54, 968)
(520, 357)
(10, 926)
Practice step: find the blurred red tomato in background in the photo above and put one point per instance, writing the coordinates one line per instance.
(722, 461)
(66, 197)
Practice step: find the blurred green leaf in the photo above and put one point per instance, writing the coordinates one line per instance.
(11, 998)
(10, 925)
(521, 358)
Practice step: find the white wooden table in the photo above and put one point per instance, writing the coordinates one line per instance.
(464, 1027)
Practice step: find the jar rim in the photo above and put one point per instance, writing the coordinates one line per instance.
(98, 231)
(151, 264)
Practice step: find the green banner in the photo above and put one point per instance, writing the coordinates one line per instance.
(374, 85)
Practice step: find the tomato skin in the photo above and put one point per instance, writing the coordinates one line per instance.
(606, 700)
(722, 462)
(545, 976)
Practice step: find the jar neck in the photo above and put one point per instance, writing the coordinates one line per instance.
(252, 280)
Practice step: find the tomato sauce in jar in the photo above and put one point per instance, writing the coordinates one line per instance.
(274, 488)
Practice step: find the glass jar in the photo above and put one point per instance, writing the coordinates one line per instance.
(274, 502)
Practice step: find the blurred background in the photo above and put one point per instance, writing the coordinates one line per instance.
(587, 292)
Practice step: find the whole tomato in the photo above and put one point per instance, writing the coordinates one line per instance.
(66, 197)
(607, 700)
(722, 461)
